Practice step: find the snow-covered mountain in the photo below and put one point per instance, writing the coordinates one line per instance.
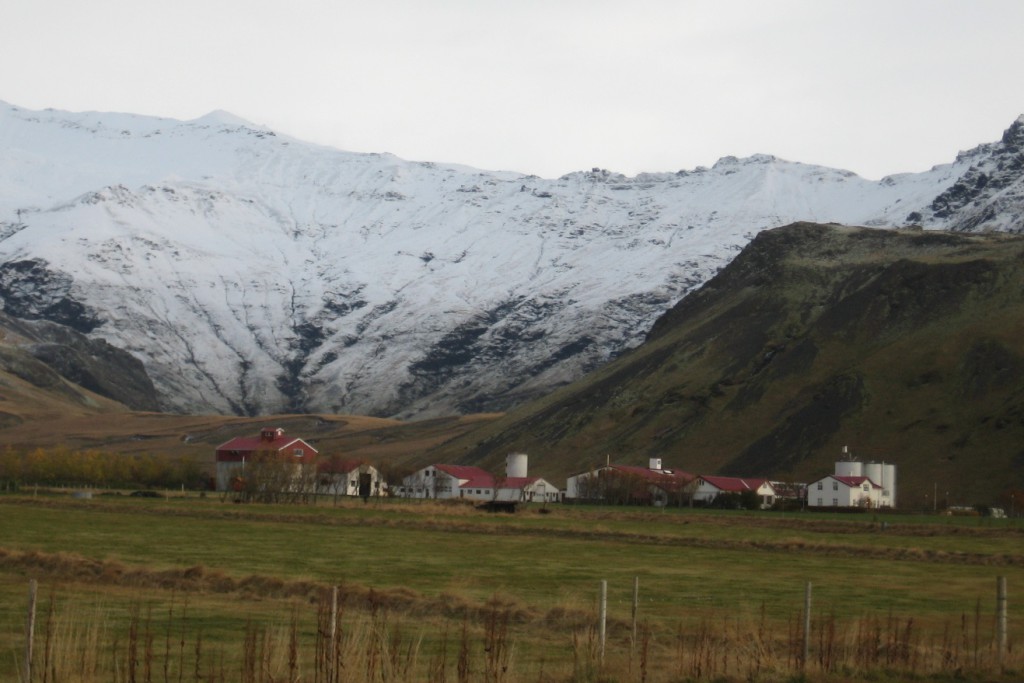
(255, 273)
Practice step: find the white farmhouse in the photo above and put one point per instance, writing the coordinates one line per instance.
(838, 491)
(855, 484)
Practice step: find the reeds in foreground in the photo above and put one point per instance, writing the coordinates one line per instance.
(327, 641)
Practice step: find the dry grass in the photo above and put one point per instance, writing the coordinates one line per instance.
(324, 641)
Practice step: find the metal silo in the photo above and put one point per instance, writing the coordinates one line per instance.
(515, 465)
(849, 468)
(873, 471)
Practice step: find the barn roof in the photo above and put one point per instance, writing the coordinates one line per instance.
(468, 476)
(664, 479)
(735, 484)
(250, 444)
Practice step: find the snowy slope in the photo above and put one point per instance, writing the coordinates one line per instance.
(255, 273)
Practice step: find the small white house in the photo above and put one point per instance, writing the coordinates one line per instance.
(339, 477)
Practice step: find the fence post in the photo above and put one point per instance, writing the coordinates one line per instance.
(332, 656)
(1001, 617)
(807, 627)
(604, 615)
(636, 604)
(30, 629)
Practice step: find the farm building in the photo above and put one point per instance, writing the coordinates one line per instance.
(629, 484)
(340, 477)
(855, 484)
(270, 447)
(518, 487)
(448, 481)
(472, 483)
(705, 489)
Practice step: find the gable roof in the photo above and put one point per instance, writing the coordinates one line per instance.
(735, 484)
(852, 482)
(240, 445)
(520, 483)
(468, 476)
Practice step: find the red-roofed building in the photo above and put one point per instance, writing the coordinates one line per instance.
(473, 483)
(629, 484)
(271, 444)
(705, 489)
(448, 481)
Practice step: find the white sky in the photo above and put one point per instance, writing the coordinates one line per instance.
(546, 86)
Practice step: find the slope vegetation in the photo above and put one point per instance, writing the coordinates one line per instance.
(905, 345)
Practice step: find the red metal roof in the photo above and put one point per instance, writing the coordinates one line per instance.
(468, 476)
(241, 446)
(667, 480)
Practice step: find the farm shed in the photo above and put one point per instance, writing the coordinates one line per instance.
(527, 490)
(705, 489)
(614, 483)
(340, 477)
(448, 481)
(270, 446)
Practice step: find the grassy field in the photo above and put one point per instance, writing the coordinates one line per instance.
(431, 591)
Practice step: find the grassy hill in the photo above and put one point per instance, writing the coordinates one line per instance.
(908, 346)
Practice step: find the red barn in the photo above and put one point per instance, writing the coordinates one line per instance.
(232, 455)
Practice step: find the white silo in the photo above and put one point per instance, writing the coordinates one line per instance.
(889, 482)
(654, 464)
(515, 465)
(849, 468)
(873, 471)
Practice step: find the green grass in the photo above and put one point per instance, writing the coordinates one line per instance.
(692, 565)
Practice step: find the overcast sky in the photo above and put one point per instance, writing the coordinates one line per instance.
(546, 86)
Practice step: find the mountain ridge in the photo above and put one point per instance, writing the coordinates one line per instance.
(253, 273)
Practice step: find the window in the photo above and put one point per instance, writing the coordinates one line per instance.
(297, 453)
(819, 486)
(866, 487)
(819, 502)
(835, 486)
(835, 502)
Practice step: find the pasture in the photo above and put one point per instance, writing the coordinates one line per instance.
(190, 589)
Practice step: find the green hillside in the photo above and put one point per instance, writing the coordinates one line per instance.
(908, 346)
